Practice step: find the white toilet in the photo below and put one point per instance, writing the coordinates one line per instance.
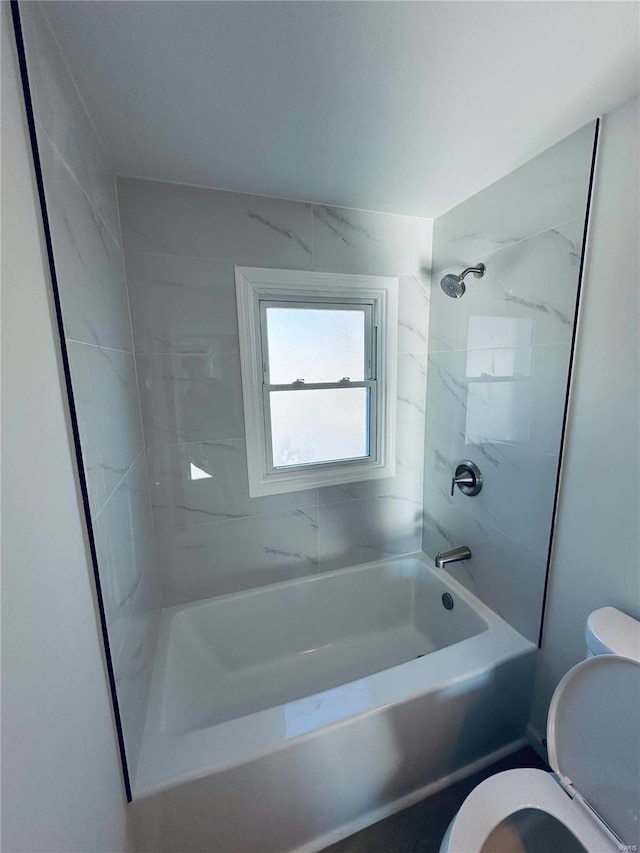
(592, 800)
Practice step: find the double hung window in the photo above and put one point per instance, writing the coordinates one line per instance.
(318, 371)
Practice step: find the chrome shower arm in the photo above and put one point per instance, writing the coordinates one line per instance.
(478, 271)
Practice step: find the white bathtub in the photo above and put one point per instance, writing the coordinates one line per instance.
(284, 718)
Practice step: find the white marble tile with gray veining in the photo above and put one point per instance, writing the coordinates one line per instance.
(447, 392)
(89, 262)
(517, 494)
(147, 600)
(363, 530)
(503, 573)
(443, 530)
(359, 241)
(413, 313)
(532, 284)
(542, 276)
(515, 396)
(207, 482)
(407, 482)
(123, 533)
(525, 404)
(552, 382)
(412, 388)
(510, 579)
(446, 525)
(106, 399)
(134, 665)
(543, 193)
(439, 461)
(500, 409)
(492, 403)
(62, 116)
(182, 305)
(215, 559)
(195, 397)
(173, 219)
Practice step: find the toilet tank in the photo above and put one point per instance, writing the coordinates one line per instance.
(611, 632)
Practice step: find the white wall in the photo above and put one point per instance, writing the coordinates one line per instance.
(61, 780)
(596, 559)
(181, 244)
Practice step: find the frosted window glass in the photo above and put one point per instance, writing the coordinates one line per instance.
(317, 345)
(319, 425)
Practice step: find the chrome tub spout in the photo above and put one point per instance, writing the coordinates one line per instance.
(453, 556)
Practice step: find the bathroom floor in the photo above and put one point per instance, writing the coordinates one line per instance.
(421, 827)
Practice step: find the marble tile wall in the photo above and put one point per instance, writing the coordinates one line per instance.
(83, 215)
(181, 244)
(498, 371)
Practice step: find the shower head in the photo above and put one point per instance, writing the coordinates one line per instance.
(454, 286)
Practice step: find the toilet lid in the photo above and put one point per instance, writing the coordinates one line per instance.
(593, 736)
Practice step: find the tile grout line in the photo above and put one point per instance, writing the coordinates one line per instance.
(154, 447)
(284, 512)
(304, 202)
(143, 428)
(243, 261)
(213, 259)
(452, 431)
(490, 526)
(318, 507)
(101, 150)
(99, 346)
(491, 349)
(301, 510)
(77, 181)
(313, 246)
(535, 234)
(94, 518)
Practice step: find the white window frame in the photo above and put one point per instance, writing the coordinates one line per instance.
(255, 288)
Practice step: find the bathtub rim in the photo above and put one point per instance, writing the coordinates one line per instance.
(309, 580)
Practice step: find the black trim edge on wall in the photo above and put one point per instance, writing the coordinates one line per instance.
(73, 417)
(572, 355)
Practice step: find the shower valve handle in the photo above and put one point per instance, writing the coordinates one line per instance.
(467, 477)
(462, 480)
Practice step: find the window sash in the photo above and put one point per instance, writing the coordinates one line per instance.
(370, 371)
(372, 424)
(323, 304)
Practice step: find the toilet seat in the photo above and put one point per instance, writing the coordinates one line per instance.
(594, 742)
(504, 794)
(594, 750)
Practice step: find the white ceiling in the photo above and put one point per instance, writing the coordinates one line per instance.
(406, 107)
